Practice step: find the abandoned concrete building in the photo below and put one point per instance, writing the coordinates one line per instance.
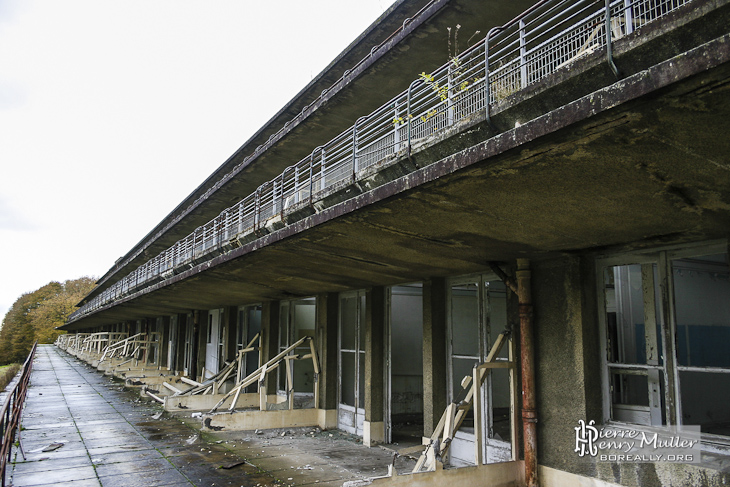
(483, 250)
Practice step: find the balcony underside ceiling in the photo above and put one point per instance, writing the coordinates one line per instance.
(651, 170)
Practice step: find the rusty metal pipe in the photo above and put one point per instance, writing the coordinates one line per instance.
(527, 356)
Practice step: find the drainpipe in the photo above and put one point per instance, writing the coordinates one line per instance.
(529, 411)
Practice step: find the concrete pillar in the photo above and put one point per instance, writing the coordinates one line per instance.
(200, 337)
(327, 329)
(145, 328)
(374, 426)
(230, 318)
(567, 349)
(434, 353)
(270, 336)
(164, 342)
(178, 360)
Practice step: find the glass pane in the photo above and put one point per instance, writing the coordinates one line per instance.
(625, 297)
(281, 378)
(347, 388)
(465, 320)
(254, 326)
(500, 405)
(240, 338)
(496, 293)
(630, 389)
(284, 325)
(461, 369)
(702, 305)
(638, 398)
(348, 322)
(210, 328)
(303, 375)
(305, 314)
(254, 322)
(705, 398)
(406, 334)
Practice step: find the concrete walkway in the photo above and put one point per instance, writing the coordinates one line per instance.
(96, 433)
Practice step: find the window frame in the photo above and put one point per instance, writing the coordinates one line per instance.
(662, 257)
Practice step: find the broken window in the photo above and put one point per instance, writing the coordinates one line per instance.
(351, 412)
(404, 364)
(248, 326)
(477, 315)
(297, 319)
(171, 343)
(678, 301)
(188, 345)
(214, 345)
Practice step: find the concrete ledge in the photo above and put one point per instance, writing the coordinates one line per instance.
(294, 418)
(554, 477)
(205, 402)
(155, 381)
(507, 474)
(140, 372)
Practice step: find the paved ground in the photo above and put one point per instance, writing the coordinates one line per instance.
(96, 433)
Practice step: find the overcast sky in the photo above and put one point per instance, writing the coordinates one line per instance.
(111, 112)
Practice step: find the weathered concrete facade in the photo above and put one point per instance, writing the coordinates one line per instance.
(614, 192)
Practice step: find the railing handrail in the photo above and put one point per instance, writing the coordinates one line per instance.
(541, 40)
(11, 412)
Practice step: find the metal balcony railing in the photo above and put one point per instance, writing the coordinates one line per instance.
(548, 36)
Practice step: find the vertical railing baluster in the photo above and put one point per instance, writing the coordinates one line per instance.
(281, 195)
(629, 16)
(311, 175)
(256, 209)
(322, 170)
(296, 183)
(354, 150)
(523, 56)
(449, 94)
(396, 124)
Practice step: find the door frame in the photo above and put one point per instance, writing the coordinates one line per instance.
(487, 335)
(357, 413)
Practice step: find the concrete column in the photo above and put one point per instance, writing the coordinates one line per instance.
(178, 360)
(374, 426)
(567, 349)
(200, 338)
(270, 336)
(145, 328)
(327, 329)
(434, 353)
(164, 342)
(230, 318)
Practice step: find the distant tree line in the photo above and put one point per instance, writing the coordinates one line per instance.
(35, 316)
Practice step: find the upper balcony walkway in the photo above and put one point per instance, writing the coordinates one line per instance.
(584, 102)
(95, 433)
